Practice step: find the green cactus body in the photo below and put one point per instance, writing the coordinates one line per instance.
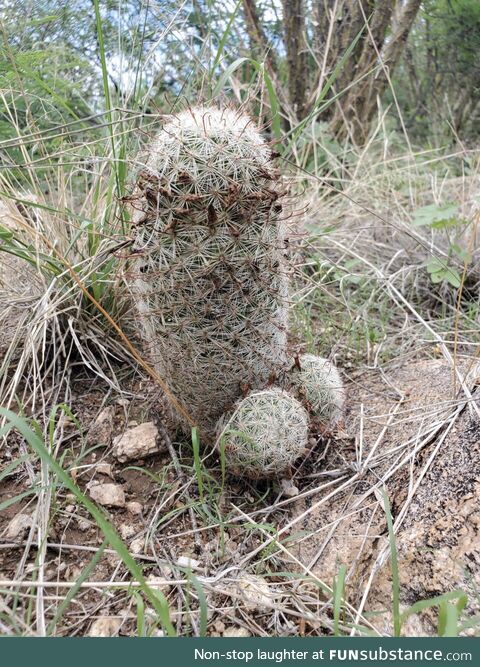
(318, 385)
(265, 435)
(210, 281)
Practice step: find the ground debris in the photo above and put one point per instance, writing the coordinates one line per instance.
(105, 626)
(18, 526)
(100, 433)
(109, 495)
(137, 442)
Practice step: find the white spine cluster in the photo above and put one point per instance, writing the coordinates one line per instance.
(318, 385)
(210, 278)
(265, 435)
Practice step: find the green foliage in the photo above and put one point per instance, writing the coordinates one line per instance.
(439, 271)
(437, 217)
(443, 217)
(438, 82)
(338, 598)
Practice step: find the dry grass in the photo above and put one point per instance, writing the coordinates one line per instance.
(364, 299)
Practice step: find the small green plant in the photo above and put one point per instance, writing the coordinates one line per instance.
(439, 270)
(443, 217)
(436, 217)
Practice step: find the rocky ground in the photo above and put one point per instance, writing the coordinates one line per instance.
(233, 557)
(410, 429)
(417, 433)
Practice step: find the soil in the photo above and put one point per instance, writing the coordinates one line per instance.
(391, 412)
(433, 491)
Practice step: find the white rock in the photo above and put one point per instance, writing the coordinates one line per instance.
(126, 531)
(110, 495)
(83, 525)
(235, 631)
(18, 526)
(134, 507)
(187, 561)
(72, 572)
(137, 442)
(104, 469)
(219, 626)
(105, 626)
(288, 488)
(255, 593)
(137, 546)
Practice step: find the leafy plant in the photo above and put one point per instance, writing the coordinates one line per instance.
(439, 270)
(436, 217)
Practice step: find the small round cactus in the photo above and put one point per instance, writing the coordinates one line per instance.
(317, 384)
(209, 273)
(265, 435)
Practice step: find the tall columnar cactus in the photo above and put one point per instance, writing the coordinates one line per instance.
(210, 281)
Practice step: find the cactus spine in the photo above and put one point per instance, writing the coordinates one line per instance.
(265, 435)
(318, 385)
(210, 281)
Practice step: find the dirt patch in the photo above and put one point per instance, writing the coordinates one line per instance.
(410, 439)
(396, 420)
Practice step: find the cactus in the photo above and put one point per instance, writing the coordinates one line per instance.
(318, 385)
(264, 436)
(210, 277)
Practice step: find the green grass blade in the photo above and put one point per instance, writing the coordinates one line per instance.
(223, 40)
(197, 461)
(12, 466)
(397, 623)
(85, 573)
(106, 90)
(338, 594)
(141, 626)
(202, 601)
(156, 598)
(436, 601)
(228, 73)
(15, 499)
(295, 132)
(447, 620)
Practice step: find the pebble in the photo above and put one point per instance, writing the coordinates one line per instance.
(83, 525)
(137, 442)
(255, 593)
(100, 432)
(135, 507)
(105, 626)
(137, 546)
(104, 469)
(18, 526)
(288, 488)
(126, 531)
(109, 495)
(235, 631)
(187, 561)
